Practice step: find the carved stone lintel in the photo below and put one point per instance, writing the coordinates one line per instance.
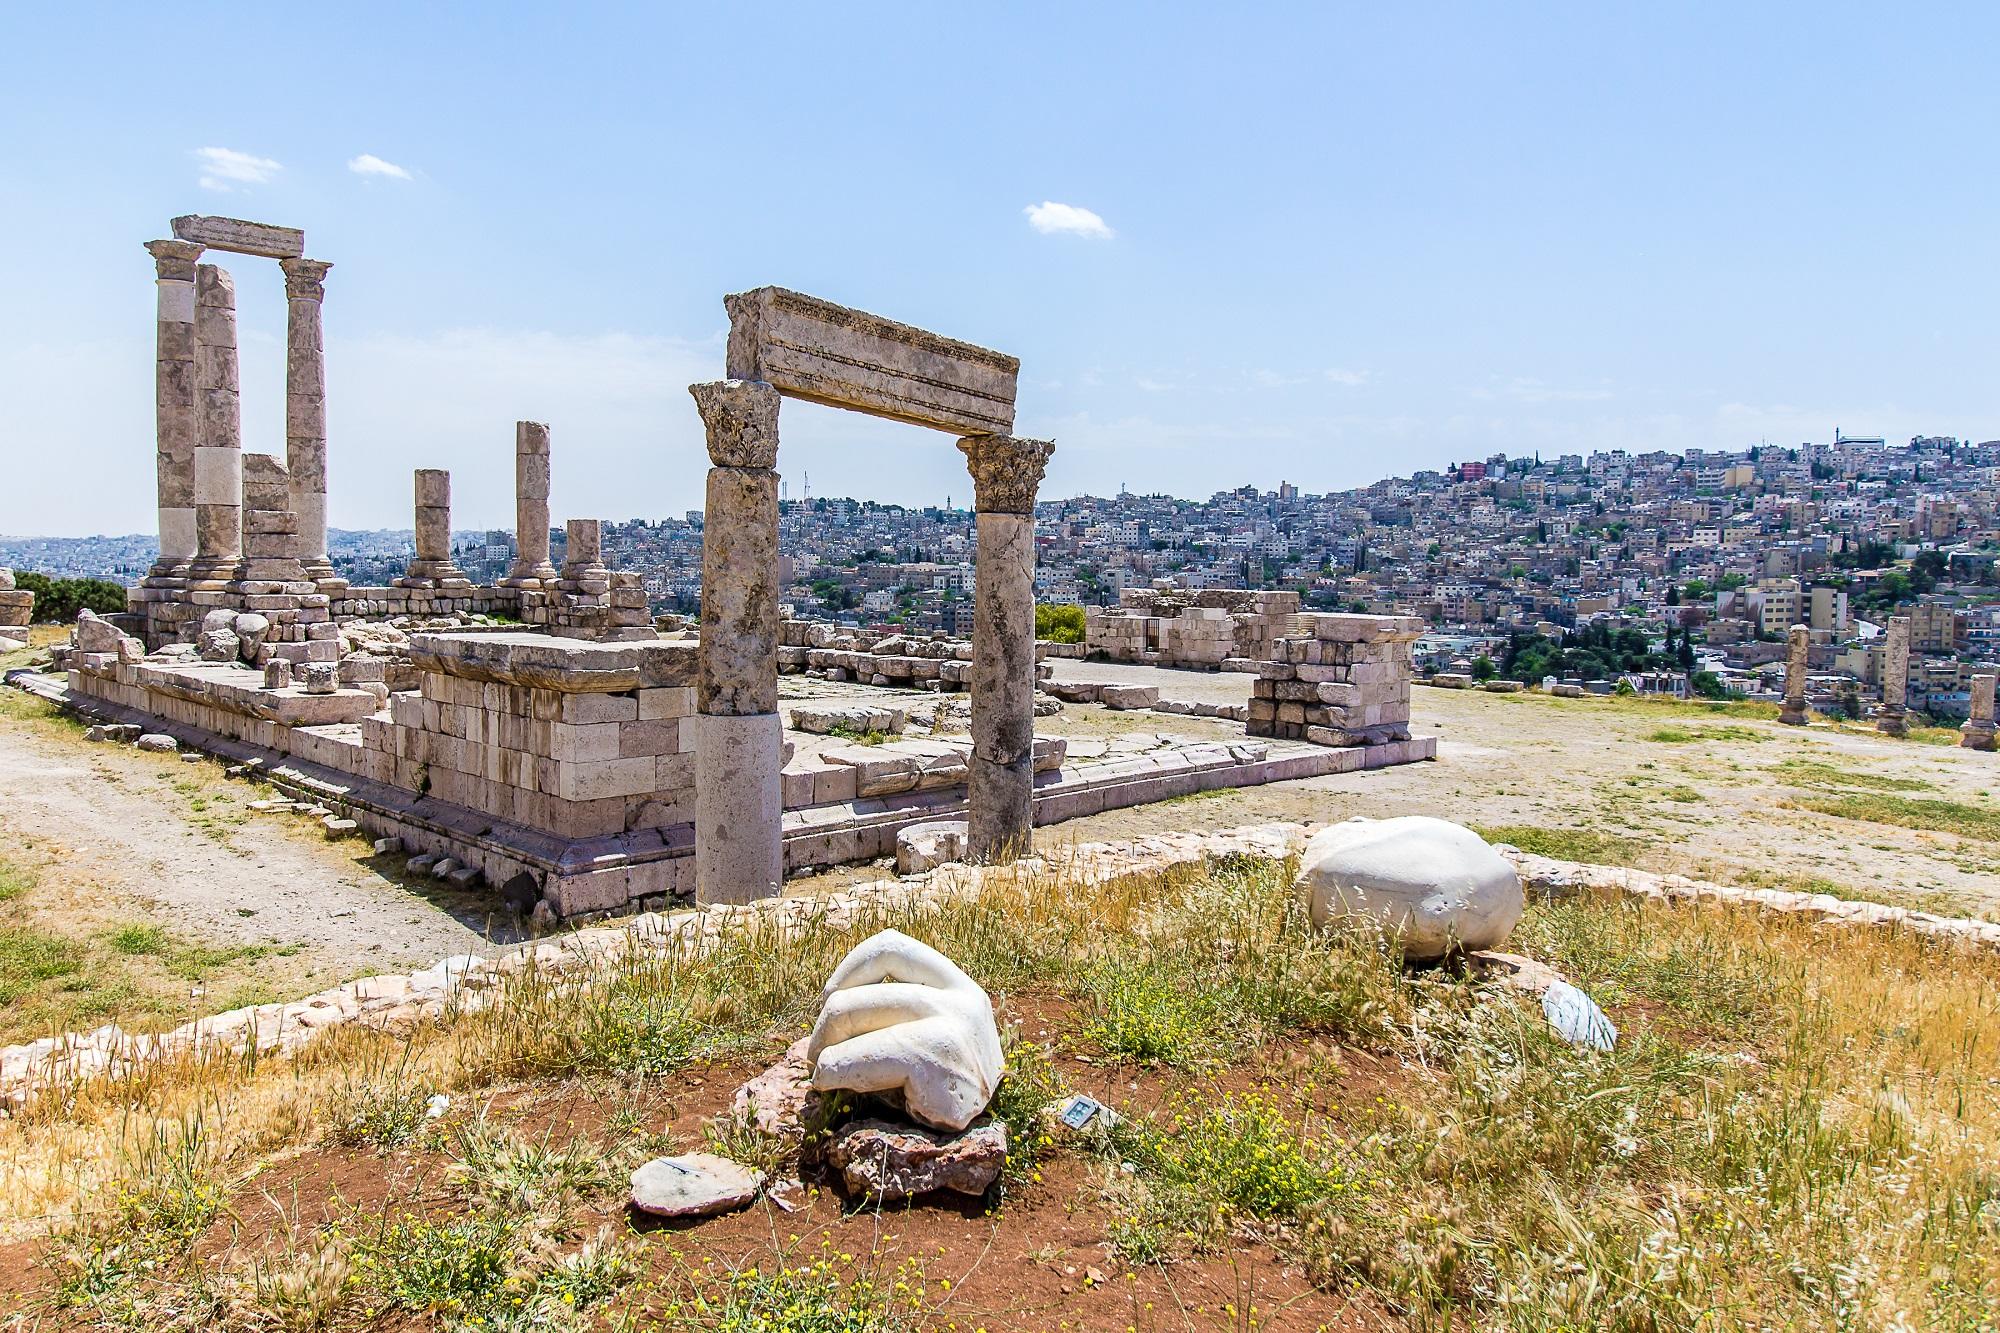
(174, 261)
(305, 279)
(1006, 471)
(742, 421)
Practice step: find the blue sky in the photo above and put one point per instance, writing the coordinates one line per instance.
(1335, 243)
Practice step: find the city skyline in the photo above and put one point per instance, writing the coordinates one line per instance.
(1387, 239)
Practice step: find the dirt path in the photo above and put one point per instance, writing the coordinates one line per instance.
(242, 905)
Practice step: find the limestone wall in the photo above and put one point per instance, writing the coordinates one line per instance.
(1348, 684)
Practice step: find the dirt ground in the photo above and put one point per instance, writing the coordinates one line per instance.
(258, 906)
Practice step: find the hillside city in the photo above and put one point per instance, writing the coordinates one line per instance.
(1677, 572)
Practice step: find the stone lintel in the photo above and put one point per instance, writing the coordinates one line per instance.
(243, 238)
(825, 353)
(551, 662)
(1349, 627)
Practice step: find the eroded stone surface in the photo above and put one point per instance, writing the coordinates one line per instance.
(693, 1185)
(886, 1162)
(1432, 884)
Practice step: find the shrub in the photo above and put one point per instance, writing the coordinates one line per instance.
(1059, 624)
(58, 600)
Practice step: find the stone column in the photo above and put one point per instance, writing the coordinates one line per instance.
(739, 854)
(583, 554)
(1978, 731)
(1893, 719)
(305, 410)
(270, 528)
(1793, 712)
(432, 567)
(218, 450)
(531, 506)
(1000, 791)
(176, 406)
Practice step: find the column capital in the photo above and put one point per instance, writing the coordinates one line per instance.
(742, 421)
(1006, 470)
(174, 261)
(304, 278)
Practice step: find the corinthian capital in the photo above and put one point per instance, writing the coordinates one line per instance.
(1006, 470)
(174, 261)
(305, 278)
(742, 421)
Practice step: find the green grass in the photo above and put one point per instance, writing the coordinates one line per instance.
(138, 939)
(1816, 773)
(1929, 816)
(1677, 735)
(29, 957)
(1566, 844)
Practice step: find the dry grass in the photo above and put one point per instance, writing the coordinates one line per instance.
(1789, 1135)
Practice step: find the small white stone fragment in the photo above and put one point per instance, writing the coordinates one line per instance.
(693, 1185)
(1576, 1017)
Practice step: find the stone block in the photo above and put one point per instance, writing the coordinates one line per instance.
(240, 237)
(824, 353)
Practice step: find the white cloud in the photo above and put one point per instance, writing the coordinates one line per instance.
(370, 165)
(1053, 219)
(225, 169)
(1352, 379)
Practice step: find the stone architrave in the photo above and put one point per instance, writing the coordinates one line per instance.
(1979, 729)
(1005, 471)
(432, 566)
(243, 238)
(1797, 644)
(176, 404)
(218, 451)
(825, 353)
(739, 736)
(1893, 719)
(305, 410)
(531, 566)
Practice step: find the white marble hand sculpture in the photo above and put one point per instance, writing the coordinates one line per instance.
(900, 1016)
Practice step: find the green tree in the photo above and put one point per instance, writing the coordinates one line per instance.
(58, 600)
(1483, 668)
(1059, 624)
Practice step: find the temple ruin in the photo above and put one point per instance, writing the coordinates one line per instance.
(584, 760)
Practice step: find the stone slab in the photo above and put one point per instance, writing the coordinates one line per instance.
(243, 238)
(551, 662)
(825, 353)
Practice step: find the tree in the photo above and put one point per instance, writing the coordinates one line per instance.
(1673, 595)
(58, 600)
(1708, 685)
(1483, 668)
(1059, 624)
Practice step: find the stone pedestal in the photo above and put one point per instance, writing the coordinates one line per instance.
(218, 450)
(531, 567)
(1894, 718)
(432, 567)
(270, 529)
(1798, 643)
(1978, 731)
(738, 852)
(177, 414)
(1343, 680)
(305, 413)
(1005, 471)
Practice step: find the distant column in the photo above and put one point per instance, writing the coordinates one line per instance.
(739, 854)
(1978, 731)
(1893, 718)
(305, 410)
(531, 506)
(218, 451)
(176, 404)
(432, 566)
(1000, 789)
(1797, 645)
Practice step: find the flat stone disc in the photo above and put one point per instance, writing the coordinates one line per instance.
(693, 1185)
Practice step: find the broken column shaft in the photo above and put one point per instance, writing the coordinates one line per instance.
(739, 737)
(1006, 471)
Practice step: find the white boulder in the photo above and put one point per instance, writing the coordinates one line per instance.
(1436, 885)
(898, 1016)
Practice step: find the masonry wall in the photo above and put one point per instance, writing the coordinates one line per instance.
(1346, 684)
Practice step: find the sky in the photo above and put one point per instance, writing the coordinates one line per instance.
(1230, 244)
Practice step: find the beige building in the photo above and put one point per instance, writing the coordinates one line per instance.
(1827, 610)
